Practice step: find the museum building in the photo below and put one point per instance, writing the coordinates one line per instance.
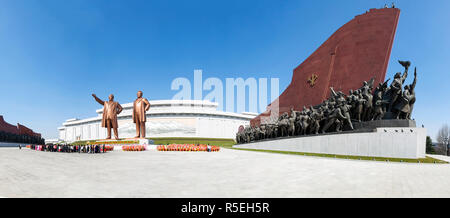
(166, 118)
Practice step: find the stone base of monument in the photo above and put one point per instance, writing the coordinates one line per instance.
(127, 142)
(8, 144)
(392, 142)
(372, 125)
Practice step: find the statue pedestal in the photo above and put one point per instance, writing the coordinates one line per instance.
(391, 142)
(372, 125)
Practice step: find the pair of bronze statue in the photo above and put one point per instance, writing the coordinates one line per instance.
(112, 108)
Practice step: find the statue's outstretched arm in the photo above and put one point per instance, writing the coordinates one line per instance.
(386, 82)
(340, 115)
(406, 65)
(371, 83)
(333, 92)
(98, 99)
(405, 74)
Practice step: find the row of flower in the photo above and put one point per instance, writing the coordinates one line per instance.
(109, 148)
(187, 147)
(134, 147)
(115, 142)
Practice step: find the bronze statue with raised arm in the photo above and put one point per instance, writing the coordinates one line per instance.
(140, 106)
(110, 110)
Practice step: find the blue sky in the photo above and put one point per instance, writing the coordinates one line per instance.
(54, 54)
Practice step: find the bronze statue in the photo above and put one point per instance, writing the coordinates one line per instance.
(406, 101)
(395, 89)
(413, 94)
(360, 102)
(316, 118)
(110, 110)
(140, 106)
(283, 125)
(378, 102)
(335, 113)
(292, 119)
(304, 122)
(367, 91)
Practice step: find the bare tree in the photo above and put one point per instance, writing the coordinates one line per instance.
(442, 138)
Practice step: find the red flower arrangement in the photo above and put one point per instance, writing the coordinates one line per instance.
(134, 147)
(115, 142)
(108, 148)
(187, 147)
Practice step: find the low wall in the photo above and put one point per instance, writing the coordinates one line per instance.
(384, 142)
(7, 144)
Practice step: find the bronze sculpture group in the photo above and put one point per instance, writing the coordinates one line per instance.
(339, 111)
(112, 108)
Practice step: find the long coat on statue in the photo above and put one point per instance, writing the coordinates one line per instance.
(110, 111)
(139, 107)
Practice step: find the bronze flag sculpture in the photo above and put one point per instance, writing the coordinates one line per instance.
(110, 110)
(140, 106)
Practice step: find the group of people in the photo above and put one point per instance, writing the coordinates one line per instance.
(339, 111)
(70, 148)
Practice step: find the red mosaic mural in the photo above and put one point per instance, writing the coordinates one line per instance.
(356, 52)
(19, 129)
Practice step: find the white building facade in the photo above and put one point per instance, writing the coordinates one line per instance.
(166, 118)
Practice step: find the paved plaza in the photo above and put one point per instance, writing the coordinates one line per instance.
(228, 173)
